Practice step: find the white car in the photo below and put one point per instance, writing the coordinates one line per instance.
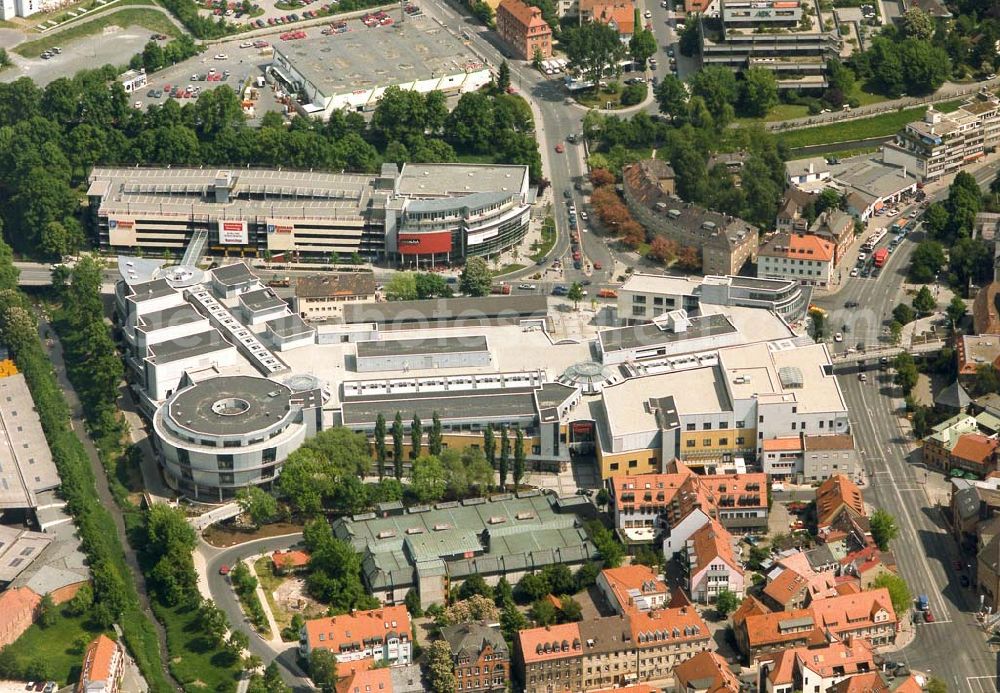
(892, 212)
(854, 272)
(221, 56)
(838, 337)
(583, 215)
(862, 257)
(137, 104)
(527, 287)
(647, 14)
(246, 44)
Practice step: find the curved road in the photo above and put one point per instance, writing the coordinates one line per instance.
(223, 595)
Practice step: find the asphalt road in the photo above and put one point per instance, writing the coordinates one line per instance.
(223, 595)
(952, 647)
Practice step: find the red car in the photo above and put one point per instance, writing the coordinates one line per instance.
(598, 265)
(928, 617)
(560, 148)
(224, 570)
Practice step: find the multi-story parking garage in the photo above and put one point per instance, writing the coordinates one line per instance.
(424, 214)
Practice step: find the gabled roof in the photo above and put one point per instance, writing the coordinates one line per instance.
(367, 681)
(976, 448)
(526, 15)
(798, 246)
(710, 543)
(706, 671)
(98, 660)
(630, 581)
(550, 642)
(654, 628)
(833, 495)
(351, 631)
(470, 639)
(621, 15)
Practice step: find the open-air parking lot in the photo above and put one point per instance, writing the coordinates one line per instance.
(982, 684)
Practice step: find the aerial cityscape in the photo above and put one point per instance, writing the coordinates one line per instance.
(527, 346)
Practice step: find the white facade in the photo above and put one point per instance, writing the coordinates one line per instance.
(133, 80)
(19, 8)
(809, 272)
(675, 539)
(163, 379)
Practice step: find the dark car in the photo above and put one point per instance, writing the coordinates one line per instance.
(567, 194)
(851, 304)
(964, 580)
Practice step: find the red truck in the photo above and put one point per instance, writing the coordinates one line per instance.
(503, 289)
(880, 256)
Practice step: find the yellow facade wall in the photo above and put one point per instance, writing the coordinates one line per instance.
(628, 463)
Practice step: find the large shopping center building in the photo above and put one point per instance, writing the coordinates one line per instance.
(422, 214)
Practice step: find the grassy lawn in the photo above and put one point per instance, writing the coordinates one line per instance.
(60, 646)
(507, 269)
(786, 111)
(195, 662)
(866, 99)
(153, 20)
(876, 126)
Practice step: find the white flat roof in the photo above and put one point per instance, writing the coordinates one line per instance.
(660, 284)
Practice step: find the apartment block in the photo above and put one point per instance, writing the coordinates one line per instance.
(712, 564)
(522, 27)
(942, 143)
(805, 258)
(382, 635)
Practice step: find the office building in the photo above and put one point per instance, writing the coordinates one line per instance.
(942, 143)
(323, 296)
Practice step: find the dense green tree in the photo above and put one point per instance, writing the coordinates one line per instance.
(380, 449)
(519, 457)
(473, 585)
(759, 91)
(642, 46)
(906, 372)
(575, 294)
(570, 610)
(543, 612)
(726, 602)
(970, 261)
(402, 287)
(434, 435)
(903, 314)
(476, 278)
(430, 285)
(532, 587)
(504, 457)
(899, 591)
(429, 480)
(503, 593)
(936, 685)
(559, 578)
(397, 446)
(323, 669)
(490, 447)
(633, 94)
(884, 529)
(987, 380)
(923, 302)
(440, 669)
(956, 310)
(689, 40)
(672, 97)
(594, 49)
(259, 505)
(503, 77)
(416, 437)
(917, 24)
(718, 87)
(926, 261)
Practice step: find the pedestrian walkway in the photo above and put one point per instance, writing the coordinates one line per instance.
(275, 640)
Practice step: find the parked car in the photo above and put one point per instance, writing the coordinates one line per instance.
(221, 56)
(964, 580)
(560, 148)
(224, 570)
(527, 287)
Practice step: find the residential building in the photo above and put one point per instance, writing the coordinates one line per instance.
(436, 549)
(867, 565)
(818, 668)
(761, 634)
(18, 609)
(103, 667)
(364, 680)
(774, 34)
(712, 564)
(664, 639)
(824, 456)
(705, 672)
(974, 453)
(480, 655)
(522, 28)
(806, 258)
(793, 211)
(804, 174)
(289, 561)
(620, 16)
(835, 227)
(382, 635)
(942, 143)
(788, 589)
(633, 588)
(877, 682)
(840, 511)
(9, 9)
(678, 504)
(422, 214)
(322, 296)
(987, 573)
(612, 651)
(940, 445)
(725, 243)
(550, 658)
